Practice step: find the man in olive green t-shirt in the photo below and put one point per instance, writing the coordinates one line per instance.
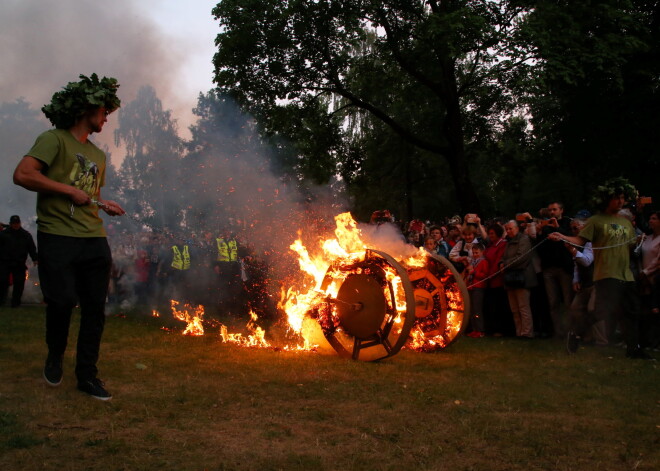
(67, 171)
(611, 236)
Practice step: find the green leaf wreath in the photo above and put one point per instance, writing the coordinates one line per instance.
(611, 188)
(74, 100)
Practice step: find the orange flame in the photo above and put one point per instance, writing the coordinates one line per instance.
(309, 312)
(191, 315)
(256, 338)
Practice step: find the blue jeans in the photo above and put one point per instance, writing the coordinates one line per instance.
(75, 270)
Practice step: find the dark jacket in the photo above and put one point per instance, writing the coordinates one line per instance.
(518, 256)
(15, 245)
(554, 253)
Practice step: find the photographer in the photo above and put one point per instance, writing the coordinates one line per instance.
(461, 253)
(556, 265)
(474, 220)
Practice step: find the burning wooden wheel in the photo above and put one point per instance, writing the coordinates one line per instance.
(442, 305)
(371, 315)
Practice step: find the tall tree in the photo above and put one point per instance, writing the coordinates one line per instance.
(330, 67)
(596, 97)
(151, 172)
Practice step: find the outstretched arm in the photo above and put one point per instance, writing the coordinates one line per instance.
(575, 240)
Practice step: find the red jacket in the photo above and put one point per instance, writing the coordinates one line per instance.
(493, 254)
(141, 270)
(481, 271)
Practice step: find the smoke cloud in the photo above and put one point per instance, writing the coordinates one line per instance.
(45, 43)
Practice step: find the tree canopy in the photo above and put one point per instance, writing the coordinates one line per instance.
(483, 98)
(416, 67)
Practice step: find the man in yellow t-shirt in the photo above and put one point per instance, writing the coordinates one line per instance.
(67, 171)
(611, 236)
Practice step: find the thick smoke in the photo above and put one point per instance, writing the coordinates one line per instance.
(44, 44)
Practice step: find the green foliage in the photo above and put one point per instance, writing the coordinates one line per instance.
(613, 188)
(74, 100)
(596, 91)
(416, 68)
(488, 99)
(150, 177)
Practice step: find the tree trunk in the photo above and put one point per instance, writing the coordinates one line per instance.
(453, 130)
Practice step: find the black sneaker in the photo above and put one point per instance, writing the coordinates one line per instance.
(572, 342)
(53, 370)
(95, 388)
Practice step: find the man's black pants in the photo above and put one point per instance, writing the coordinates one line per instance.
(75, 270)
(613, 297)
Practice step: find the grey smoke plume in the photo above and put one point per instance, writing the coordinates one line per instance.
(45, 43)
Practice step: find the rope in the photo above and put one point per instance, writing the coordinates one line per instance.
(628, 242)
(166, 232)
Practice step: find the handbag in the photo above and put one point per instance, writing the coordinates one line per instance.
(514, 279)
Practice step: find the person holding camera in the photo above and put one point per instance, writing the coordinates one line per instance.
(474, 220)
(557, 266)
(461, 253)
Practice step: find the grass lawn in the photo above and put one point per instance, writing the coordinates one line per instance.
(194, 403)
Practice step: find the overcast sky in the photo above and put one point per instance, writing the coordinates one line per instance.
(164, 43)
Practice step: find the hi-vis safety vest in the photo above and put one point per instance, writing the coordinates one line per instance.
(179, 261)
(227, 251)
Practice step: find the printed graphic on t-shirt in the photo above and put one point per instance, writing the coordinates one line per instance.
(615, 231)
(85, 175)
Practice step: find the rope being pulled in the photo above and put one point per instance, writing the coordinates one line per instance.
(512, 262)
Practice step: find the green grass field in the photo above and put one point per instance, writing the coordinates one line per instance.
(194, 403)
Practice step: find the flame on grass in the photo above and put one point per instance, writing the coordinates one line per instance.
(255, 338)
(191, 315)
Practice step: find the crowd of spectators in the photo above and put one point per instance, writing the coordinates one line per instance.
(526, 275)
(523, 282)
